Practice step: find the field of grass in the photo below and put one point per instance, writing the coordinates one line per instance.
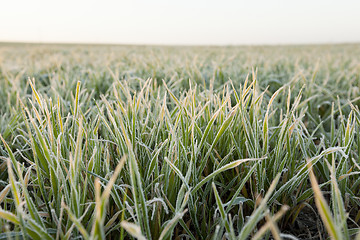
(121, 142)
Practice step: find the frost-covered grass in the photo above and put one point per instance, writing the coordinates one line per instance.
(179, 142)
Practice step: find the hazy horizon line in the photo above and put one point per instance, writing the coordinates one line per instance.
(177, 45)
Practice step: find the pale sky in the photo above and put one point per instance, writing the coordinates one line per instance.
(182, 22)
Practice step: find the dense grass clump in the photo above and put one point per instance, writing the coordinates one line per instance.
(119, 142)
